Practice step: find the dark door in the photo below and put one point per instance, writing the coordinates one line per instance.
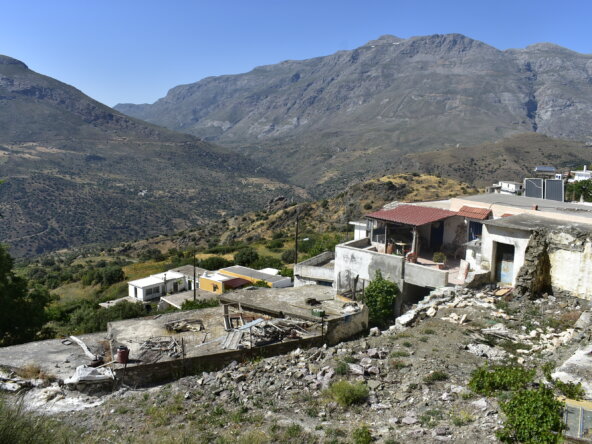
(175, 287)
(475, 230)
(437, 236)
(504, 263)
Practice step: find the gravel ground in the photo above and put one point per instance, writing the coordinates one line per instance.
(416, 373)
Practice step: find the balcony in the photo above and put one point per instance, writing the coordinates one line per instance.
(358, 260)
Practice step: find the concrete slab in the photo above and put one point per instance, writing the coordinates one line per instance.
(116, 301)
(52, 356)
(288, 301)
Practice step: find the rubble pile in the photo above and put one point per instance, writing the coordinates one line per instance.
(416, 372)
(153, 349)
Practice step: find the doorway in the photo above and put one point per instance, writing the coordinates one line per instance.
(437, 236)
(504, 263)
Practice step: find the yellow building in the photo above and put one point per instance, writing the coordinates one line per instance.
(219, 283)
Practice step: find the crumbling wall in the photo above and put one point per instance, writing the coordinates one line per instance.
(140, 375)
(534, 277)
(354, 265)
(559, 262)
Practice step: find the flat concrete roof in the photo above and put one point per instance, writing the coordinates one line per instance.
(156, 279)
(53, 356)
(134, 332)
(117, 301)
(528, 202)
(254, 274)
(177, 299)
(187, 270)
(528, 222)
(289, 301)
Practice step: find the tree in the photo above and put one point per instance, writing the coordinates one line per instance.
(215, 263)
(380, 299)
(288, 256)
(575, 190)
(246, 256)
(23, 307)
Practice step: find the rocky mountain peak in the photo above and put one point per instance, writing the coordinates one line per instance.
(385, 39)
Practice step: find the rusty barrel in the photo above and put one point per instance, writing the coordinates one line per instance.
(122, 354)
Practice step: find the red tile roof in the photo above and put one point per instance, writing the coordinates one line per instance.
(412, 215)
(474, 212)
(506, 215)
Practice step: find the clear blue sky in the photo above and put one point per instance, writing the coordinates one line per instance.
(134, 51)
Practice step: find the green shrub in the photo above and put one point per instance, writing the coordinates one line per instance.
(267, 262)
(380, 298)
(439, 257)
(568, 389)
(200, 303)
(151, 254)
(462, 418)
(215, 263)
(261, 284)
(430, 418)
(435, 377)
(90, 318)
(489, 380)
(399, 354)
(532, 417)
(346, 393)
(341, 368)
(287, 272)
(288, 256)
(275, 244)
(362, 435)
(246, 257)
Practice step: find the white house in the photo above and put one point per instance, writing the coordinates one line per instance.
(507, 187)
(157, 285)
(584, 174)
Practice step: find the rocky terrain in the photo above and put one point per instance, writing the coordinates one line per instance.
(321, 216)
(415, 375)
(77, 172)
(357, 111)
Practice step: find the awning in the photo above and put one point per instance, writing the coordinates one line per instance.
(414, 215)
(474, 212)
(236, 283)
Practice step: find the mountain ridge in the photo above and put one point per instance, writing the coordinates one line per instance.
(78, 172)
(331, 115)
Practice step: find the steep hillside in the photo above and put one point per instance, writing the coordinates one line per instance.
(322, 216)
(512, 158)
(77, 172)
(338, 117)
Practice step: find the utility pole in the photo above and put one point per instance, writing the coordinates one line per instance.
(194, 280)
(296, 239)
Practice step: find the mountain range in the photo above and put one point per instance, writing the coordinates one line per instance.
(322, 121)
(78, 172)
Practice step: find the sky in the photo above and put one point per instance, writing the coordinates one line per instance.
(119, 51)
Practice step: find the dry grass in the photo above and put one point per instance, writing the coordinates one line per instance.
(143, 269)
(33, 371)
